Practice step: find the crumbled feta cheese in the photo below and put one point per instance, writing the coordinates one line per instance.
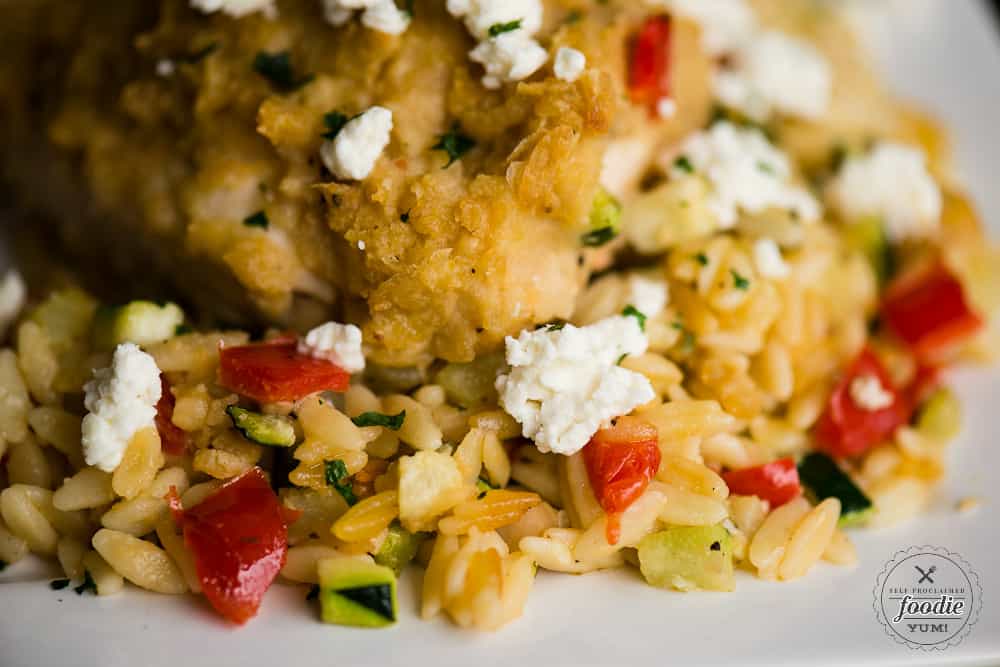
(746, 173)
(569, 64)
(121, 401)
(381, 15)
(648, 296)
(725, 24)
(510, 56)
(767, 257)
(564, 384)
(868, 393)
(165, 67)
(481, 15)
(893, 183)
(236, 8)
(775, 72)
(666, 108)
(624, 163)
(362, 245)
(339, 343)
(13, 294)
(353, 152)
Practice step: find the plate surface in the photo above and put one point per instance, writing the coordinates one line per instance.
(944, 54)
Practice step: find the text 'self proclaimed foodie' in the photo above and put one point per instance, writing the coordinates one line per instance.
(316, 291)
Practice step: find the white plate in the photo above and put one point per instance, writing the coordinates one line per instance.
(943, 53)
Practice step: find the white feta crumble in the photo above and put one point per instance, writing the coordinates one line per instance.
(339, 343)
(481, 15)
(666, 108)
(381, 15)
(510, 56)
(564, 384)
(362, 245)
(352, 154)
(776, 72)
(649, 297)
(768, 260)
(13, 294)
(893, 183)
(868, 393)
(746, 173)
(725, 24)
(165, 67)
(236, 8)
(121, 401)
(569, 64)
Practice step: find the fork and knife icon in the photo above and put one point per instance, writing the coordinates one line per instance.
(926, 575)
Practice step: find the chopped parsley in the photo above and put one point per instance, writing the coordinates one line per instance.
(554, 325)
(334, 122)
(182, 329)
(501, 28)
(765, 167)
(313, 593)
(688, 338)
(87, 585)
(391, 422)
(454, 143)
(621, 359)
(58, 584)
(702, 258)
(739, 282)
(335, 474)
(683, 164)
(598, 237)
(258, 219)
(405, 218)
(277, 68)
(632, 311)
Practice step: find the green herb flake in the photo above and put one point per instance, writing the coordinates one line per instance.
(765, 167)
(454, 143)
(739, 282)
(574, 17)
(554, 325)
(182, 329)
(500, 28)
(334, 123)
(702, 258)
(683, 164)
(313, 593)
(405, 218)
(391, 422)
(258, 219)
(598, 237)
(277, 68)
(335, 474)
(688, 338)
(87, 585)
(632, 311)
(621, 359)
(58, 584)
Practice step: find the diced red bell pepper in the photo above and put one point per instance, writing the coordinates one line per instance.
(928, 310)
(275, 371)
(776, 482)
(173, 440)
(239, 539)
(650, 63)
(847, 429)
(621, 461)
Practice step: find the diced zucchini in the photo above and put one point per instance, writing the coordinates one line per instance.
(940, 417)
(606, 212)
(824, 479)
(473, 384)
(688, 558)
(139, 322)
(868, 236)
(398, 548)
(270, 430)
(353, 592)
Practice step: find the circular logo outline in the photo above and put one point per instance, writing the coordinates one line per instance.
(970, 575)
